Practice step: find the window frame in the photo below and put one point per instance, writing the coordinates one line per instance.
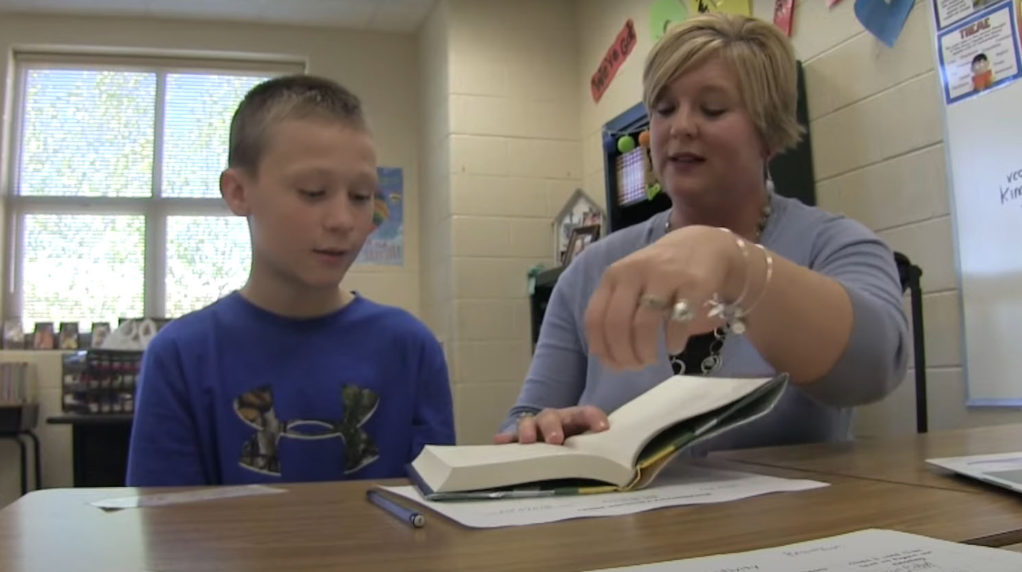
(155, 208)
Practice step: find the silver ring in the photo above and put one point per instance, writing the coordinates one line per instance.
(655, 304)
(682, 312)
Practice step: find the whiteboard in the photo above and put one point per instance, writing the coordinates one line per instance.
(983, 142)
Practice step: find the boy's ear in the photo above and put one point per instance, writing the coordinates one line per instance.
(233, 188)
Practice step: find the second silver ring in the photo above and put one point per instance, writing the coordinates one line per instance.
(681, 312)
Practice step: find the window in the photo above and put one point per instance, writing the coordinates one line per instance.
(114, 207)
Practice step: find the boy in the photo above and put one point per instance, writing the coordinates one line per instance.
(292, 378)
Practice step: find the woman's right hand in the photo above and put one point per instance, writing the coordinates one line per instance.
(555, 425)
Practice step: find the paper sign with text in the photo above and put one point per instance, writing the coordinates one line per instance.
(616, 55)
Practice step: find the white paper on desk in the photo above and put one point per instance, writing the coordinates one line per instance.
(160, 499)
(873, 550)
(984, 463)
(1001, 469)
(679, 485)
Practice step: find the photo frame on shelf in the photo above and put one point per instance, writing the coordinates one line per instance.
(68, 336)
(581, 237)
(579, 211)
(44, 338)
(14, 334)
(100, 330)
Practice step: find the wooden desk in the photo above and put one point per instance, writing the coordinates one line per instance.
(894, 459)
(330, 526)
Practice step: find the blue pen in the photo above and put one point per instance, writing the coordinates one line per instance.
(414, 519)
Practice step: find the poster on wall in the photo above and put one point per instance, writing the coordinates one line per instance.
(663, 14)
(616, 55)
(950, 11)
(743, 7)
(784, 13)
(385, 246)
(978, 54)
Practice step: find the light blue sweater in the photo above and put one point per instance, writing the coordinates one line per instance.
(562, 373)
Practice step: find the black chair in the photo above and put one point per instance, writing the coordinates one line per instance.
(19, 420)
(909, 274)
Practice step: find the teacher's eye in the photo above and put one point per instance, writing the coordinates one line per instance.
(664, 109)
(312, 194)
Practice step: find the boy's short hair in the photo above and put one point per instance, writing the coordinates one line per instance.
(287, 97)
(760, 55)
(980, 57)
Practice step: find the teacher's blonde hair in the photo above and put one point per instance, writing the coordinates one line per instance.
(758, 52)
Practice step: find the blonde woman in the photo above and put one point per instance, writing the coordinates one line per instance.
(734, 280)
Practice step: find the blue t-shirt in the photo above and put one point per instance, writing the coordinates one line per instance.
(234, 394)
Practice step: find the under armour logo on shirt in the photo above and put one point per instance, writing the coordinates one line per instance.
(259, 453)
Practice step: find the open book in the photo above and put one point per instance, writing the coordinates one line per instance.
(644, 435)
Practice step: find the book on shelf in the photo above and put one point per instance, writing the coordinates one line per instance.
(14, 383)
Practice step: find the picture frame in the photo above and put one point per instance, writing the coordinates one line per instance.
(581, 238)
(580, 210)
(68, 336)
(44, 338)
(100, 330)
(14, 334)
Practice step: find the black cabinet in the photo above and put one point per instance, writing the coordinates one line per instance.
(540, 297)
(99, 442)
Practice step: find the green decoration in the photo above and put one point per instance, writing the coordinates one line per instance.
(626, 144)
(652, 190)
(663, 13)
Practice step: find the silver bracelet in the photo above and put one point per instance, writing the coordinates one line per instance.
(733, 314)
(766, 280)
(745, 258)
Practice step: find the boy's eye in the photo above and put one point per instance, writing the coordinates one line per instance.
(713, 111)
(312, 194)
(664, 109)
(362, 197)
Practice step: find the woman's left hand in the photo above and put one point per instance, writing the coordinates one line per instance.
(664, 285)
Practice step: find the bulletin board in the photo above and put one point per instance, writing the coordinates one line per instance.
(977, 50)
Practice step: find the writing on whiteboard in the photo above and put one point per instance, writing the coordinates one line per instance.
(1013, 191)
